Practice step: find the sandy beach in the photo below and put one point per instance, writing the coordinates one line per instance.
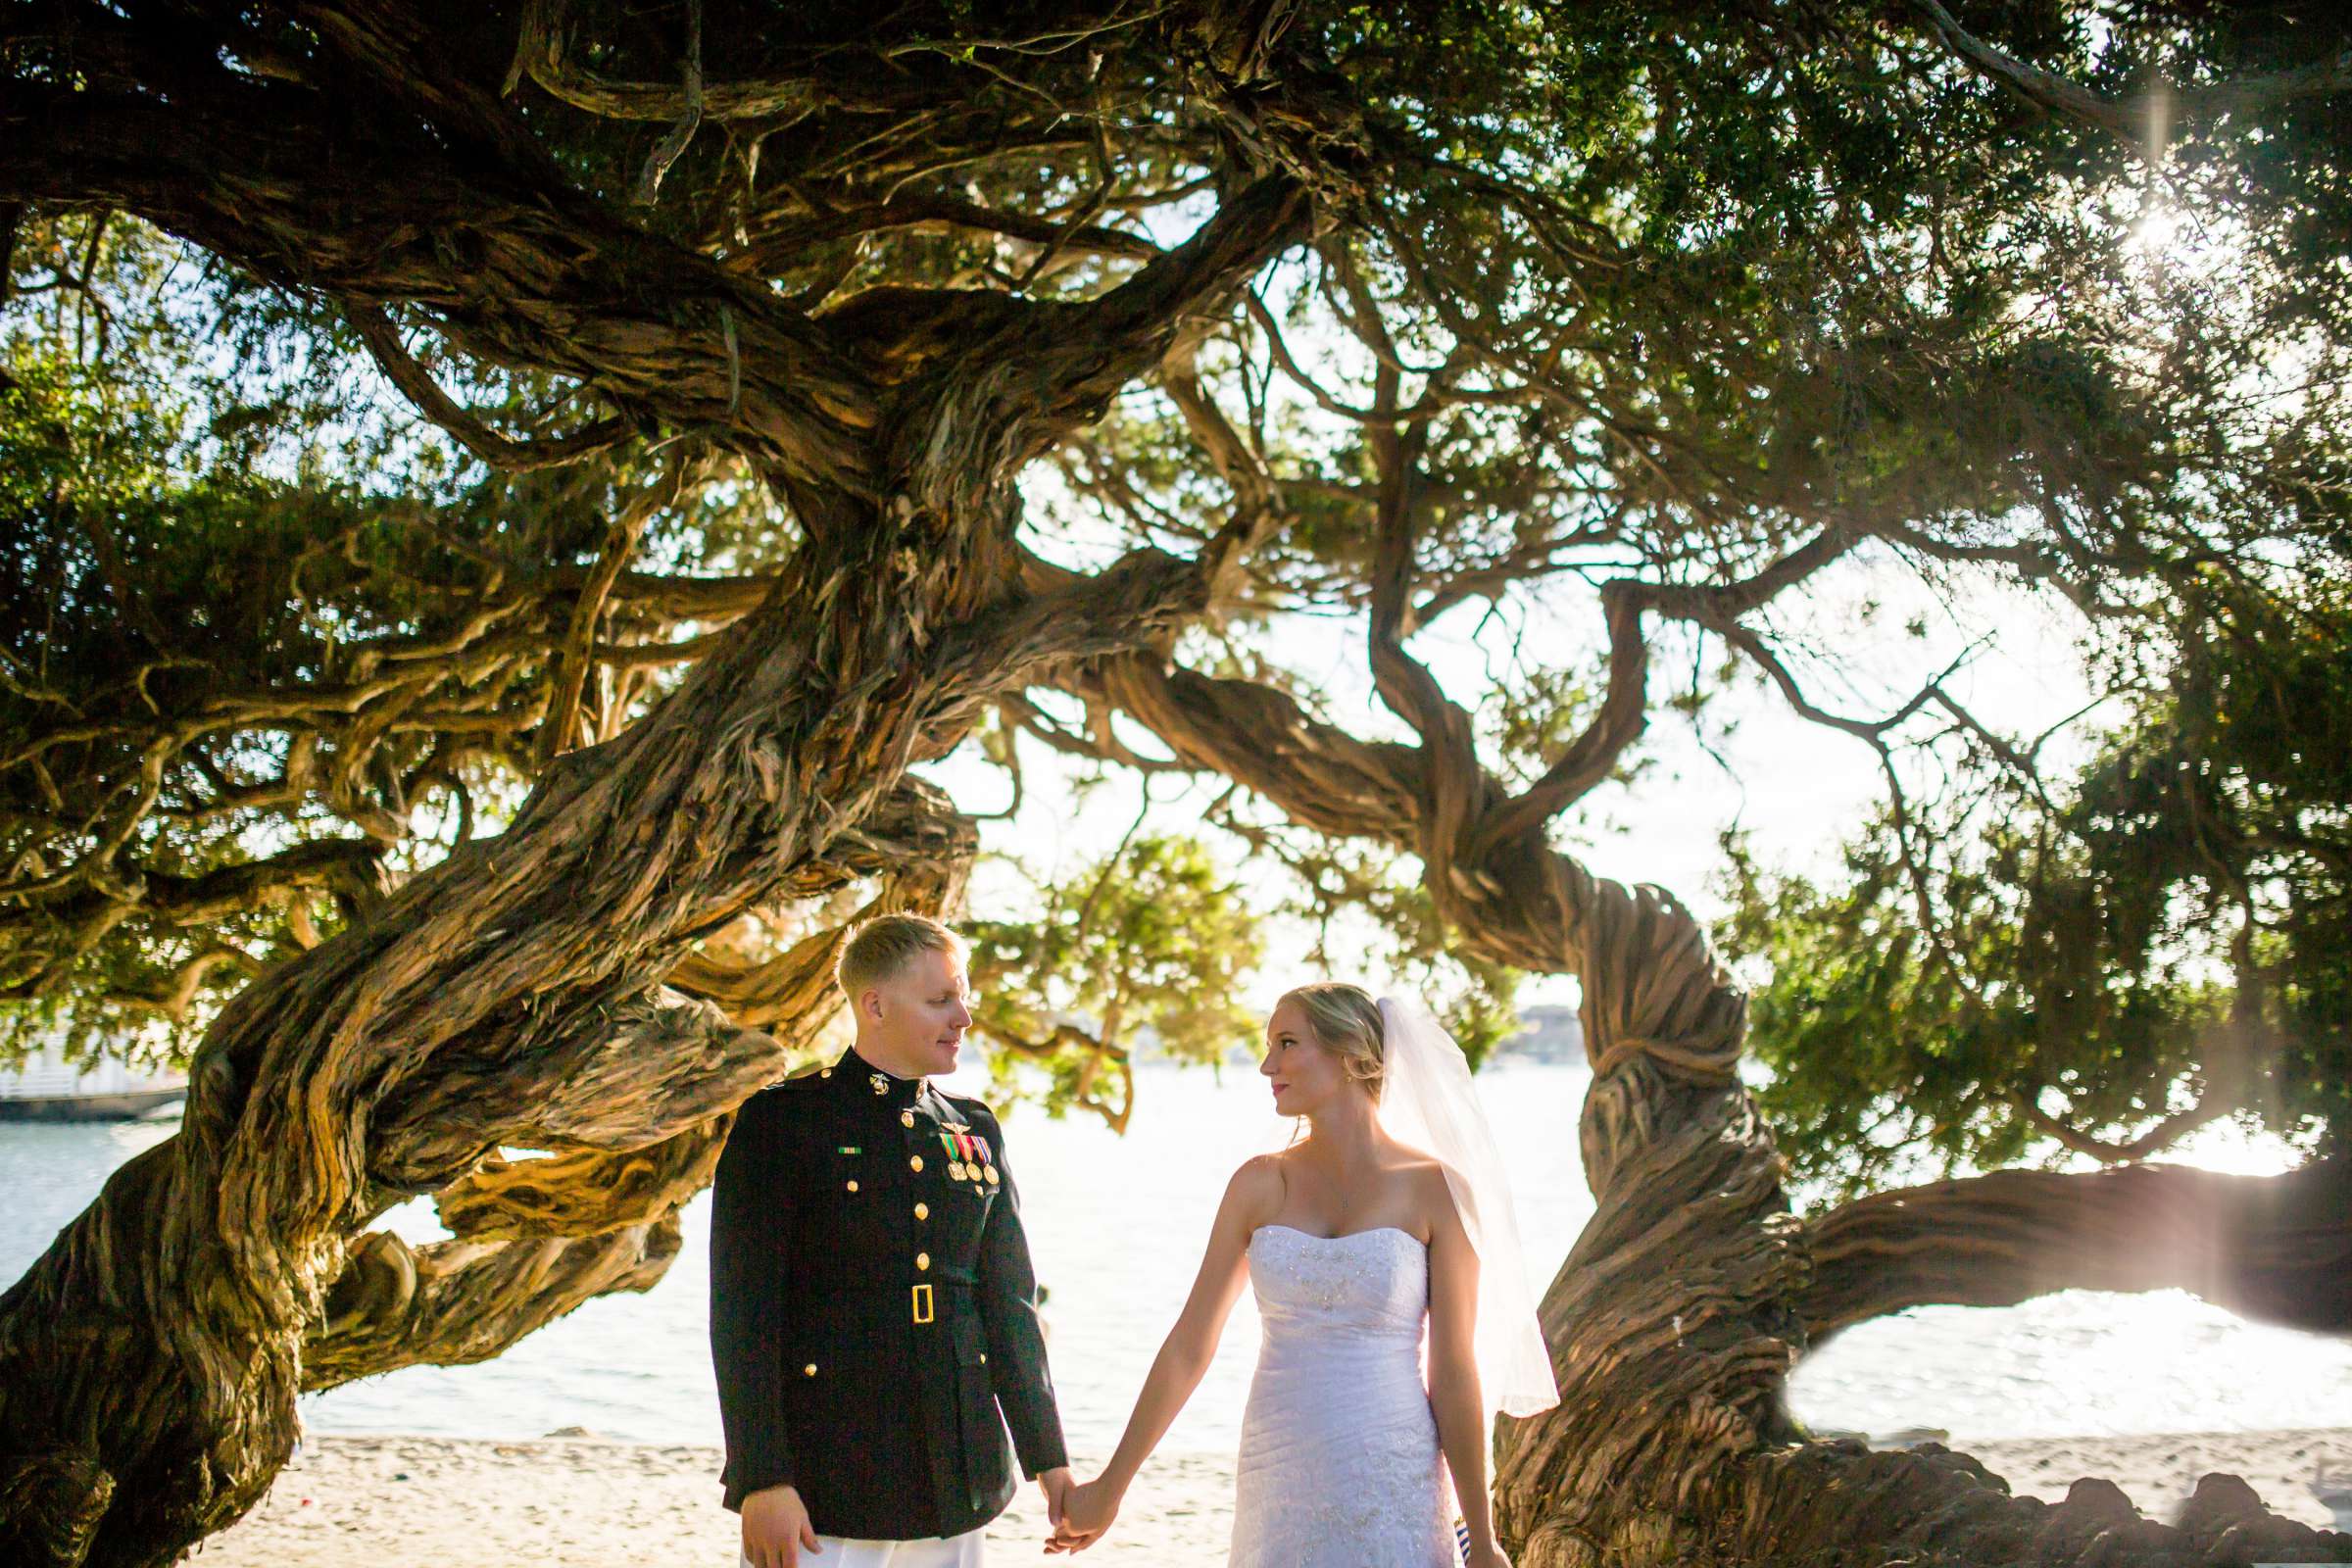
(583, 1502)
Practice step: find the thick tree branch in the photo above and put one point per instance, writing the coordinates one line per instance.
(2141, 122)
(585, 1085)
(537, 1237)
(1058, 617)
(1675, 1321)
(1321, 776)
(777, 242)
(580, 637)
(2274, 1247)
(375, 329)
(583, 1193)
(454, 1302)
(539, 55)
(545, 280)
(1111, 341)
(241, 887)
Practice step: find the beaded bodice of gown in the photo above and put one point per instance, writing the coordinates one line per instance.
(1339, 1464)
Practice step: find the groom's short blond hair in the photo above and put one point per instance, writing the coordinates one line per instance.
(880, 947)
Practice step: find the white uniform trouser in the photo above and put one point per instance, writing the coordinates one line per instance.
(932, 1551)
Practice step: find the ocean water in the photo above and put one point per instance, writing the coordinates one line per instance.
(1117, 1226)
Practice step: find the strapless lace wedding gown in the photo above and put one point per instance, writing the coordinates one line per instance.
(1340, 1466)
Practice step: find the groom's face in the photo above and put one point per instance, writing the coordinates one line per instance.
(912, 1022)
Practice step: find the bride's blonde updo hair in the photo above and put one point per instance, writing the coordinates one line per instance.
(1345, 1021)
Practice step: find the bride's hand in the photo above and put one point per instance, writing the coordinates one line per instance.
(1086, 1512)
(1488, 1555)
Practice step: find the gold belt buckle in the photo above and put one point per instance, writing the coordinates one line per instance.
(922, 1303)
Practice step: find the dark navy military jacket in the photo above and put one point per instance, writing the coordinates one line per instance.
(873, 1307)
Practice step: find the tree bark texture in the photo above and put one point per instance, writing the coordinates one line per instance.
(512, 995)
(540, 989)
(2276, 1248)
(515, 994)
(1678, 1316)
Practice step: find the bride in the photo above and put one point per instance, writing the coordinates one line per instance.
(1391, 1213)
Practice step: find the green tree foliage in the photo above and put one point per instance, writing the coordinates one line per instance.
(1675, 308)
(264, 631)
(1367, 906)
(1153, 939)
(2101, 964)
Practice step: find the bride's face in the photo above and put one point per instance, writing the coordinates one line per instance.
(1304, 1071)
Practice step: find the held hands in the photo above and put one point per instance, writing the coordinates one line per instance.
(776, 1527)
(1486, 1556)
(1086, 1514)
(1056, 1483)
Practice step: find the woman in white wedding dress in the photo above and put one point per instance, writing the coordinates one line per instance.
(1354, 1239)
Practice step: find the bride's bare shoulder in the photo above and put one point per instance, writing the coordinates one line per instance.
(1256, 1187)
(1417, 1165)
(1259, 1171)
(1424, 1176)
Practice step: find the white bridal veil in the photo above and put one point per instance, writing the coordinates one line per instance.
(1427, 1101)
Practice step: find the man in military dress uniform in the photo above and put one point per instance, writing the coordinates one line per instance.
(872, 1303)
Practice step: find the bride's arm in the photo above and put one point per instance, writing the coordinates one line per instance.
(1453, 1392)
(1254, 1196)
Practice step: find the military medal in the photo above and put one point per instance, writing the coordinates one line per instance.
(954, 1156)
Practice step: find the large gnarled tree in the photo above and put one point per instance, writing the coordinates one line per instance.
(1390, 315)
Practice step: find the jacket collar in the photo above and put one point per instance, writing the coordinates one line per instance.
(865, 1081)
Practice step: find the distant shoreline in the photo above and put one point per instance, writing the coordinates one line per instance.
(601, 1502)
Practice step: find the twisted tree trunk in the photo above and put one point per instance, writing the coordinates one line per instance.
(512, 995)
(516, 995)
(535, 1238)
(1677, 1318)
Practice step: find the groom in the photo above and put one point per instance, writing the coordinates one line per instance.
(872, 1304)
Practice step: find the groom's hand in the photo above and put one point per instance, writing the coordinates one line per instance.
(776, 1527)
(1056, 1483)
